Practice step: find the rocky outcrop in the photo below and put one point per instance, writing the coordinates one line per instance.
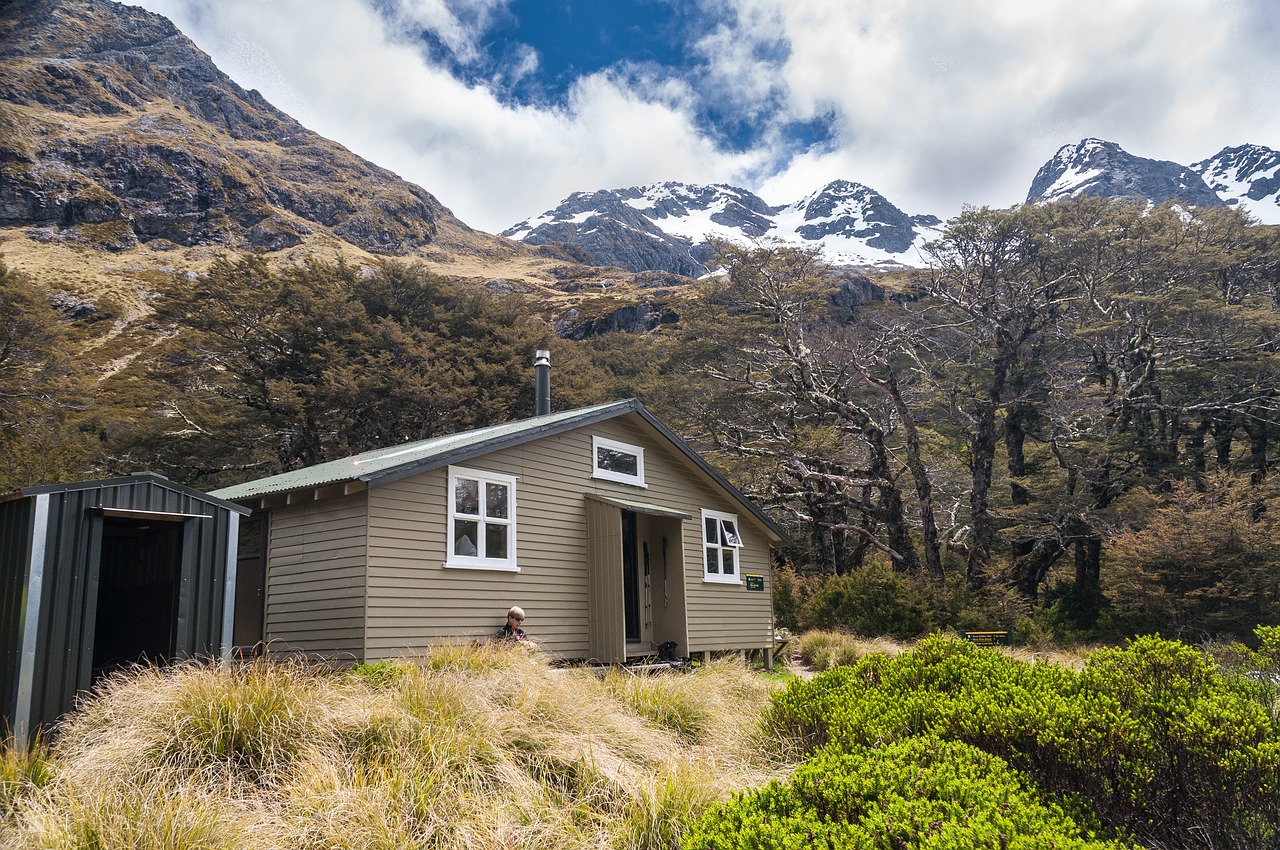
(851, 211)
(633, 319)
(611, 232)
(110, 116)
(855, 291)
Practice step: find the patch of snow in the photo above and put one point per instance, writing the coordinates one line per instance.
(1072, 181)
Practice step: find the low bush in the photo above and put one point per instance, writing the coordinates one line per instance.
(1154, 736)
(875, 600)
(821, 650)
(921, 792)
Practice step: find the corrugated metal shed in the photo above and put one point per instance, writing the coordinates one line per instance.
(97, 575)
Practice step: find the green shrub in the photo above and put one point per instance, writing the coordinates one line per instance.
(380, 673)
(871, 601)
(921, 792)
(1160, 743)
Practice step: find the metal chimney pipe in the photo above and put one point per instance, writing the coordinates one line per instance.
(542, 382)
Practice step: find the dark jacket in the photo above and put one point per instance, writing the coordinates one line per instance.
(507, 633)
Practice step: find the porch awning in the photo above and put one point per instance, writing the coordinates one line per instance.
(639, 507)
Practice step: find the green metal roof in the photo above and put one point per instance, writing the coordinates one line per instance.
(390, 464)
(382, 465)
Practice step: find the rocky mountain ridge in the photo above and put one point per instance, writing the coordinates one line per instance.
(116, 130)
(1247, 176)
(1100, 168)
(667, 225)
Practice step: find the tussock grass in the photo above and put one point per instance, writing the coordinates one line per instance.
(821, 650)
(23, 772)
(469, 747)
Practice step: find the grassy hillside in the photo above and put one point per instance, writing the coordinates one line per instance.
(477, 748)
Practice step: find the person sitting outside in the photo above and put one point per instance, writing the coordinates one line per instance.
(513, 629)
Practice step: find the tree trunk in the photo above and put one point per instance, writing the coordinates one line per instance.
(1195, 446)
(1088, 567)
(1257, 432)
(892, 510)
(1031, 567)
(984, 452)
(1223, 434)
(920, 476)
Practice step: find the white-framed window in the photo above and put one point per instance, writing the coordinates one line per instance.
(616, 461)
(482, 520)
(720, 545)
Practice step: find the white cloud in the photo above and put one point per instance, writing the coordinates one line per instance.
(362, 83)
(950, 101)
(935, 102)
(458, 24)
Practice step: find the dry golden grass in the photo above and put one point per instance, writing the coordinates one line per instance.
(467, 748)
(821, 650)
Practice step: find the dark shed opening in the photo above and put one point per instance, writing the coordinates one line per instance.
(138, 583)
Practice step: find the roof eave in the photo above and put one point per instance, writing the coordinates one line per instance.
(780, 536)
(504, 441)
(134, 478)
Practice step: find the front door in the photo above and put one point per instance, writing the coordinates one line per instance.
(635, 580)
(247, 632)
(630, 578)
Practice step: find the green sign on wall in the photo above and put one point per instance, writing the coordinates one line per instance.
(755, 582)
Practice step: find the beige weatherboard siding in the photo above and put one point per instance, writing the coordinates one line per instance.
(315, 588)
(367, 573)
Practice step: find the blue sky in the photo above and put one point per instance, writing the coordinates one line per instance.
(641, 38)
(501, 108)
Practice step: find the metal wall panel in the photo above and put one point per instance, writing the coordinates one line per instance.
(15, 558)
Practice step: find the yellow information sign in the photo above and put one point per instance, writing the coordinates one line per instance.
(995, 638)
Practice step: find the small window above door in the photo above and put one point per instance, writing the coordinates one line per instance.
(614, 461)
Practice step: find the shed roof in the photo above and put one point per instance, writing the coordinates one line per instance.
(124, 481)
(381, 466)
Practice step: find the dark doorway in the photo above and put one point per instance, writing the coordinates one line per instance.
(250, 586)
(137, 602)
(630, 575)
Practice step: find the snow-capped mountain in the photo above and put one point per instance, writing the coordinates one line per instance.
(1104, 169)
(1248, 175)
(666, 225)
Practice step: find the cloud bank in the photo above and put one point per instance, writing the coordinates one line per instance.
(934, 103)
